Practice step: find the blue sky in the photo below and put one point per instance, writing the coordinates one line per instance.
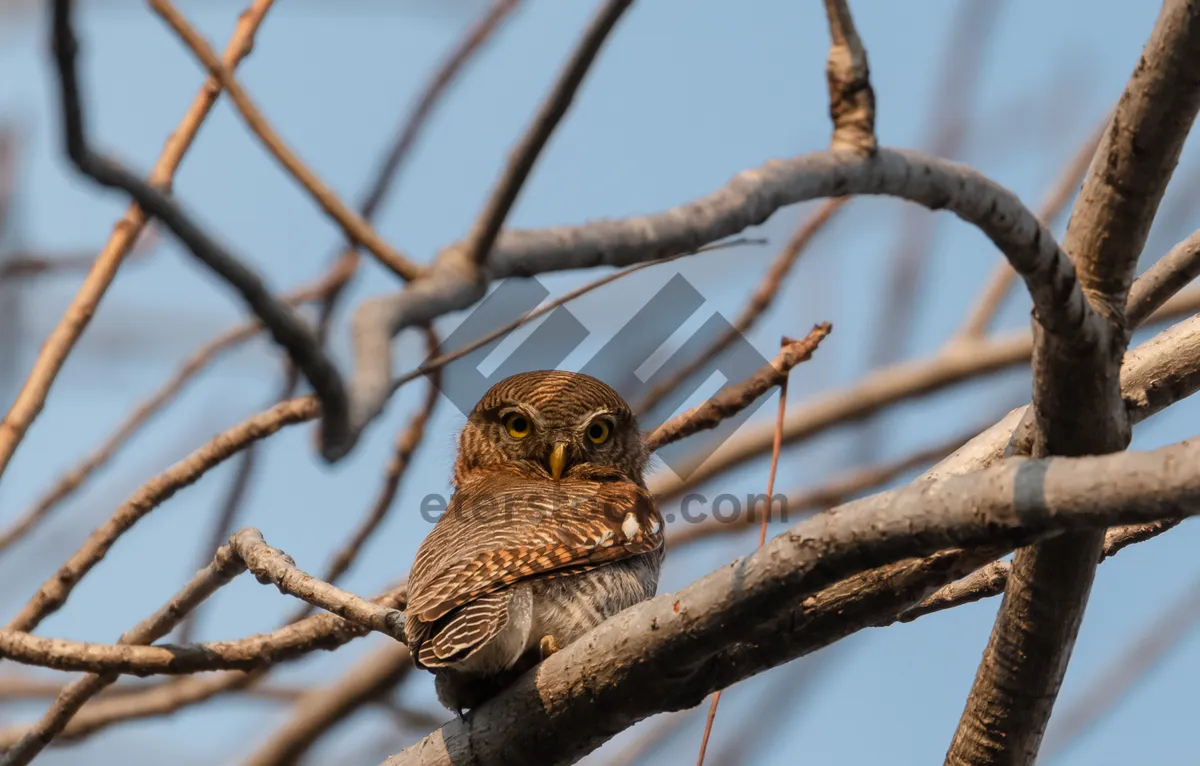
(684, 96)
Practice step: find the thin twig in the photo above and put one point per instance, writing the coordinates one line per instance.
(759, 302)
(736, 397)
(352, 224)
(224, 567)
(288, 330)
(76, 318)
(762, 534)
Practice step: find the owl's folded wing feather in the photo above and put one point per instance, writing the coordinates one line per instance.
(496, 533)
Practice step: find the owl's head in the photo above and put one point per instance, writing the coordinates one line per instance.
(553, 425)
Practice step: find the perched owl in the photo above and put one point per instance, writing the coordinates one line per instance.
(550, 531)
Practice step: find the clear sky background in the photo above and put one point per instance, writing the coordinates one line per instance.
(684, 95)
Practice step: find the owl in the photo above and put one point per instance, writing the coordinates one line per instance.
(550, 531)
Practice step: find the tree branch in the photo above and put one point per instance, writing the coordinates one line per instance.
(78, 315)
(736, 397)
(665, 654)
(1077, 402)
(224, 567)
(354, 226)
(286, 328)
(748, 199)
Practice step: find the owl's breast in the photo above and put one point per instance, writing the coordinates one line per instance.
(568, 607)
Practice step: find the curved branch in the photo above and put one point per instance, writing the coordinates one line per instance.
(750, 198)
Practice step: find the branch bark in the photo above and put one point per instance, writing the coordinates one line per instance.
(748, 199)
(1077, 402)
(667, 653)
(126, 231)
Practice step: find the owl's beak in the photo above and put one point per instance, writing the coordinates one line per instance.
(558, 459)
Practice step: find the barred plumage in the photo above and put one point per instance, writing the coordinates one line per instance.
(550, 531)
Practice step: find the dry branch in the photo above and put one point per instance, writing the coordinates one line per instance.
(224, 567)
(666, 653)
(76, 318)
(1077, 404)
(734, 398)
(273, 566)
(353, 225)
(748, 199)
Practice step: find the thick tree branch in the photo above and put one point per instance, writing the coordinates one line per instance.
(1077, 402)
(666, 653)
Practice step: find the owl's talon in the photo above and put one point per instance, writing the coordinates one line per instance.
(548, 646)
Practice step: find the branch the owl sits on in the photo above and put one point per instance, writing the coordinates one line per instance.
(550, 531)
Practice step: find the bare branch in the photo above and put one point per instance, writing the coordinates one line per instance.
(851, 98)
(1169, 274)
(355, 228)
(1077, 404)
(54, 592)
(273, 566)
(224, 567)
(759, 302)
(75, 319)
(748, 199)
(736, 397)
(666, 653)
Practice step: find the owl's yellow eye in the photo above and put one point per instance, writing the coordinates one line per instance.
(598, 431)
(517, 425)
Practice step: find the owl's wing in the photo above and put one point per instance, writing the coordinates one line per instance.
(469, 627)
(503, 529)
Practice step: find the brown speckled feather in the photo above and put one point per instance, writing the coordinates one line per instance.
(502, 527)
